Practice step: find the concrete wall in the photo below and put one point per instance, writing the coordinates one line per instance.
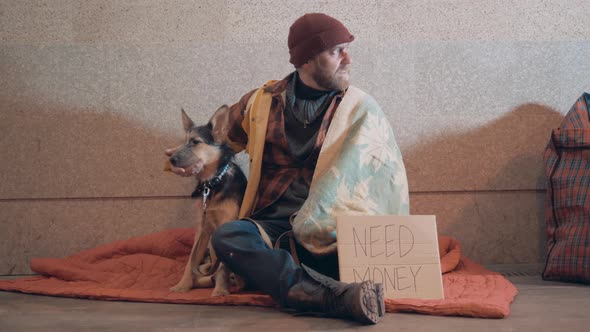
(91, 91)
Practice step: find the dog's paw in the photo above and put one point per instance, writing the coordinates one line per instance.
(181, 287)
(218, 291)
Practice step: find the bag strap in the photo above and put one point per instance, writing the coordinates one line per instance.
(292, 247)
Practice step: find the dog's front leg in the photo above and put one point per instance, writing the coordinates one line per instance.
(186, 283)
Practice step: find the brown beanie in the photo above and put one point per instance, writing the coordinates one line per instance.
(314, 33)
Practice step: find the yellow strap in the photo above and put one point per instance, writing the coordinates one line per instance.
(255, 125)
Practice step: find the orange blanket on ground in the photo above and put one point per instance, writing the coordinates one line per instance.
(143, 268)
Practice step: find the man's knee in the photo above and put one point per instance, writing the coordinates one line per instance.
(233, 235)
(221, 238)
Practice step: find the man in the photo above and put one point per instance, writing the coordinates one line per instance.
(300, 109)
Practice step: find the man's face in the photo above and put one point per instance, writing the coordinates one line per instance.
(331, 68)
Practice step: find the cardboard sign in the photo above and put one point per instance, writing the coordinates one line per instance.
(400, 252)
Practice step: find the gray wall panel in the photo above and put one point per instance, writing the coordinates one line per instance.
(90, 93)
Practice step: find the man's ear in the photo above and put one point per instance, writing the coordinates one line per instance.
(187, 123)
(307, 66)
(220, 124)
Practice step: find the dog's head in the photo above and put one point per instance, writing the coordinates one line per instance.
(205, 148)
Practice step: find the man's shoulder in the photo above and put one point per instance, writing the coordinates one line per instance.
(268, 86)
(366, 96)
(359, 96)
(356, 91)
(361, 101)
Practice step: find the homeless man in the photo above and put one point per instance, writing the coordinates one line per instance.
(318, 148)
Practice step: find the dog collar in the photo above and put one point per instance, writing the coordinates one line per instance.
(205, 187)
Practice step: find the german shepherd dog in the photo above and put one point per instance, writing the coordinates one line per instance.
(220, 189)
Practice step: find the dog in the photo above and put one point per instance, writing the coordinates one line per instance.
(220, 188)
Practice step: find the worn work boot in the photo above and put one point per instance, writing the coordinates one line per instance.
(362, 302)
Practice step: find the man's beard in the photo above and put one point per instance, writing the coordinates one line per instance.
(332, 81)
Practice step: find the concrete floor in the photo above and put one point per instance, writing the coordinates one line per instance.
(540, 306)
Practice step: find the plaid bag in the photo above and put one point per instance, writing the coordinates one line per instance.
(567, 162)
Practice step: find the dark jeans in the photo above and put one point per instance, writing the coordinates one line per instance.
(239, 245)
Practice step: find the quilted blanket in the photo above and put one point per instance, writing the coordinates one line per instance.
(360, 171)
(143, 268)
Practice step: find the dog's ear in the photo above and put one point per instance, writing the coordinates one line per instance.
(187, 123)
(220, 124)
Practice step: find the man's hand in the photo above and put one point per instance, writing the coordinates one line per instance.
(177, 170)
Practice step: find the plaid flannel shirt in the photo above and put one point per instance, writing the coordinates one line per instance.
(279, 167)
